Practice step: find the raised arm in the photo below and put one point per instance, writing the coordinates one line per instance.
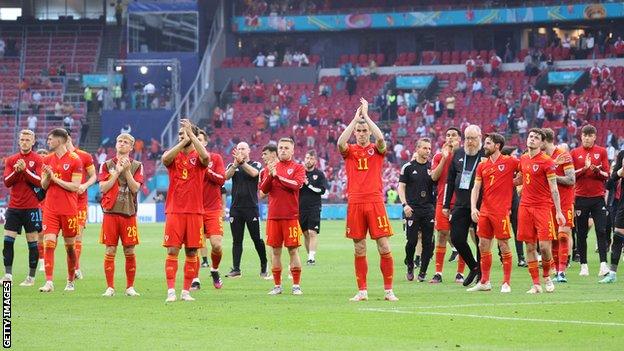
(170, 155)
(436, 172)
(346, 134)
(377, 133)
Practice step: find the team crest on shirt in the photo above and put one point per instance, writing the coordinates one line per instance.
(66, 166)
(210, 164)
(578, 212)
(371, 152)
(231, 219)
(193, 161)
(290, 171)
(410, 222)
(535, 168)
(31, 163)
(315, 177)
(596, 156)
(501, 167)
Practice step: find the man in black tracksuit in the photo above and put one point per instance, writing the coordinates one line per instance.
(310, 205)
(417, 194)
(460, 181)
(244, 208)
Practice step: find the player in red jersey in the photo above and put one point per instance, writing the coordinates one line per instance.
(213, 215)
(281, 182)
(539, 194)
(565, 183)
(591, 165)
(61, 176)
(365, 203)
(22, 175)
(186, 162)
(496, 177)
(89, 177)
(120, 180)
(439, 172)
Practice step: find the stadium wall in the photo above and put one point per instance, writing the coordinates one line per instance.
(145, 124)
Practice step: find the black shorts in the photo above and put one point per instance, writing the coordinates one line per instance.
(29, 219)
(310, 221)
(618, 219)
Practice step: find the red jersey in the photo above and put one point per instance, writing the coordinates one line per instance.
(186, 184)
(58, 200)
(536, 172)
(566, 192)
(572, 100)
(283, 189)
(497, 183)
(363, 165)
(213, 181)
(442, 180)
(22, 195)
(588, 182)
(87, 164)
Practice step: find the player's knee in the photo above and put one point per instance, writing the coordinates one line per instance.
(174, 251)
(128, 250)
(190, 252)
(111, 250)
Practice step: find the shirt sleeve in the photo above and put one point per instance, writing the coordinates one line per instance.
(103, 174)
(549, 169)
(77, 168)
(139, 175)
(9, 174)
(450, 184)
(436, 161)
(34, 178)
(217, 173)
(403, 177)
(347, 152)
(296, 181)
(478, 172)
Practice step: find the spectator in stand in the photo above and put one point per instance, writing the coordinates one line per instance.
(479, 69)
(258, 92)
(461, 86)
(32, 123)
(288, 58)
(36, 101)
(303, 99)
(155, 151)
(619, 47)
(276, 87)
(596, 109)
(68, 123)
(595, 72)
(139, 146)
(217, 117)
(324, 90)
(273, 122)
(372, 69)
(470, 67)
(411, 99)
(244, 91)
(401, 131)
(428, 112)
(118, 13)
(2, 48)
(351, 85)
(450, 106)
(99, 96)
(260, 60)
(477, 87)
(421, 130)
(582, 110)
(495, 64)
(310, 133)
(608, 107)
(540, 118)
(619, 107)
(610, 153)
(501, 111)
(591, 46)
(229, 116)
(117, 94)
(402, 114)
(522, 126)
(270, 59)
(438, 108)
(605, 73)
(101, 155)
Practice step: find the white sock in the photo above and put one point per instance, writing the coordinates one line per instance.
(311, 255)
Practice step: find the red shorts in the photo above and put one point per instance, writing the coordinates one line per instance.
(213, 223)
(283, 232)
(535, 224)
(441, 222)
(568, 213)
(367, 217)
(82, 217)
(494, 226)
(53, 223)
(184, 229)
(116, 226)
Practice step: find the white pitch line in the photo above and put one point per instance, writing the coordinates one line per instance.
(522, 319)
(496, 304)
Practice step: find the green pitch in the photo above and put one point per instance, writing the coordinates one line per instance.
(579, 315)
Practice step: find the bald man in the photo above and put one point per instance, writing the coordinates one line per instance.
(244, 208)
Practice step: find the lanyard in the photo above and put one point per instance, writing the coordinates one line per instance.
(473, 166)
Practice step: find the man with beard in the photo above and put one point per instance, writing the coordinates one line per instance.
(314, 186)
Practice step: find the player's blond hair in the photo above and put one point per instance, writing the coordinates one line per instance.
(28, 132)
(126, 136)
(286, 140)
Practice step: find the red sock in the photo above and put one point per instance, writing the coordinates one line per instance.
(440, 252)
(486, 266)
(564, 251)
(215, 257)
(78, 250)
(361, 270)
(130, 270)
(189, 271)
(507, 264)
(534, 271)
(296, 274)
(555, 250)
(196, 268)
(461, 265)
(48, 256)
(546, 267)
(109, 270)
(71, 262)
(171, 269)
(277, 275)
(40, 249)
(387, 269)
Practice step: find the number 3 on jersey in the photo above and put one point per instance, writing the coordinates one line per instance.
(362, 164)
